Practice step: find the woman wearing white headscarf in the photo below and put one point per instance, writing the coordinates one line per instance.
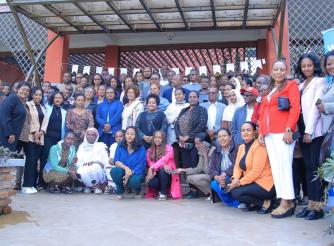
(92, 157)
(235, 100)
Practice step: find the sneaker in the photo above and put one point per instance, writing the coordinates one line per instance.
(242, 206)
(87, 190)
(162, 197)
(34, 189)
(119, 197)
(192, 195)
(138, 196)
(27, 190)
(97, 191)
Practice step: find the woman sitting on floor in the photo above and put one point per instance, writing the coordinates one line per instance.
(198, 177)
(161, 165)
(252, 181)
(130, 162)
(221, 167)
(60, 170)
(92, 157)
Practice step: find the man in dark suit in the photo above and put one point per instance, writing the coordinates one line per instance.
(176, 84)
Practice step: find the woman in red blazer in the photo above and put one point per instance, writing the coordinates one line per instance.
(280, 111)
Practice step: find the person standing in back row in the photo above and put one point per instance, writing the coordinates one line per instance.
(279, 114)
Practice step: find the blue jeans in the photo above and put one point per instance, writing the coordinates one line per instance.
(226, 198)
(134, 182)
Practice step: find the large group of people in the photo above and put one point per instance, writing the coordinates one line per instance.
(251, 142)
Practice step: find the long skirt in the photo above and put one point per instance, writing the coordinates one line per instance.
(92, 175)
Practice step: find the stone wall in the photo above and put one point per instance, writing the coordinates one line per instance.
(7, 179)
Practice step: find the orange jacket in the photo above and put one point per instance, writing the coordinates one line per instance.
(274, 121)
(257, 166)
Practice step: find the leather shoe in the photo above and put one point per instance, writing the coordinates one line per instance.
(303, 213)
(264, 210)
(315, 215)
(250, 208)
(286, 214)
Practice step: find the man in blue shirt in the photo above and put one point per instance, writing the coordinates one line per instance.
(176, 84)
(193, 84)
(145, 84)
(155, 89)
(204, 91)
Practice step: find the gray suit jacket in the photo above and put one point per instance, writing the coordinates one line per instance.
(327, 117)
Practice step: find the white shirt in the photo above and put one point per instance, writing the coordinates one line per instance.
(249, 113)
(173, 96)
(164, 82)
(212, 112)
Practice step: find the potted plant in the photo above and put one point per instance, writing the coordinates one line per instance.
(326, 172)
(8, 160)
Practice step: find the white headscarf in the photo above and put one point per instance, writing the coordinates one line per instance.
(95, 152)
(231, 107)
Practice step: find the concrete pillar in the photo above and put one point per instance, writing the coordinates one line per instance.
(56, 58)
(261, 53)
(271, 52)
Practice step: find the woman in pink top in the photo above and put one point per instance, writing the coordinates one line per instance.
(310, 126)
(161, 176)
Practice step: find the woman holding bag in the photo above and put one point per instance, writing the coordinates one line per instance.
(280, 111)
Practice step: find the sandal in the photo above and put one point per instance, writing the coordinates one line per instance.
(280, 213)
(54, 189)
(66, 190)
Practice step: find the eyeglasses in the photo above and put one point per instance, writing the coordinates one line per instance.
(248, 95)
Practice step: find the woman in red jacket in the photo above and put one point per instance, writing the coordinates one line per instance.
(280, 111)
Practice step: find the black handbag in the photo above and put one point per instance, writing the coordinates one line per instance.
(283, 104)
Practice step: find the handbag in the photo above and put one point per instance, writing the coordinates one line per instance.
(283, 104)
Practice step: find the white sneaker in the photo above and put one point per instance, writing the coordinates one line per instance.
(87, 190)
(34, 189)
(28, 190)
(98, 191)
(242, 206)
(162, 197)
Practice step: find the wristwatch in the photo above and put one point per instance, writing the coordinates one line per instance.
(288, 130)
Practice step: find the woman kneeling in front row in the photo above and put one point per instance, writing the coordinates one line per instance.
(130, 162)
(161, 175)
(60, 170)
(252, 181)
(221, 167)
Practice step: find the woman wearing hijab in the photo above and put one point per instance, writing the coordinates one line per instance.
(235, 100)
(92, 157)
